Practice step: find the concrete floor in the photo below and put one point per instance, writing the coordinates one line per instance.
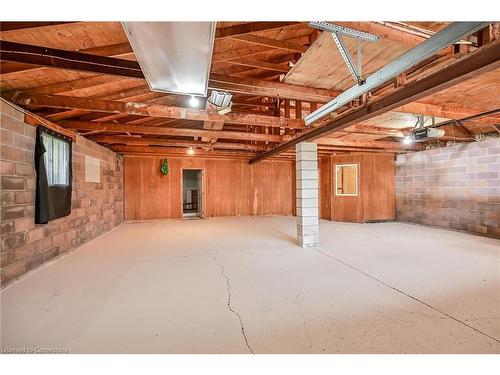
(240, 285)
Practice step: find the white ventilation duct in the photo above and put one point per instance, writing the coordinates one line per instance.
(175, 57)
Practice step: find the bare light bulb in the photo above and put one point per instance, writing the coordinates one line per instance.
(407, 140)
(193, 102)
(190, 151)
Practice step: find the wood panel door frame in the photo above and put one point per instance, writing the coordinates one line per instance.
(346, 208)
(201, 208)
(358, 178)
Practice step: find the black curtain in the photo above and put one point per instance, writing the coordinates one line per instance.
(51, 202)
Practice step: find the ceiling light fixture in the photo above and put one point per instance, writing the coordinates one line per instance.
(194, 101)
(221, 101)
(166, 51)
(408, 140)
(190, 151)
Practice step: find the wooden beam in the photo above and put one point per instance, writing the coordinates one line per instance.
(211, 125)
(113, 127)
(444, 111)
(113, 50)
(238, 53)
(246, 28)
(369, 144)
(57, 58)
(119, 67)
(181, 152)
(480, 61)
(232, 154)
(274, 43)
(389, 33)
(385, 32)
(222, 57)
(11, 26)
(133, 94)
(118, 49)
(79, 84)
(251, 86)
(150, 110)
(262, 65)
(375, 130)
(149, 141)
(35, 120)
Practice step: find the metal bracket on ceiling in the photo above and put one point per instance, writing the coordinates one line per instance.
(420, 122)
(344, 52)
(327, 26)
(337, 32)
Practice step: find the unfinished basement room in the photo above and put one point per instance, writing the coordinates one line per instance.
(250, 187)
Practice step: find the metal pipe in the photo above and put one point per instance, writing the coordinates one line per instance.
(465, 119)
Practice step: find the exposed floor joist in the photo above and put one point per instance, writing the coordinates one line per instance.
(246, 28)
(477, 62)
(113, 127)
(150, 110)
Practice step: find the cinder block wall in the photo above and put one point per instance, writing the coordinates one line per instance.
(455, 187)
(96, 207)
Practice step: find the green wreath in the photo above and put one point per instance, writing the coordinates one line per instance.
(164, 167)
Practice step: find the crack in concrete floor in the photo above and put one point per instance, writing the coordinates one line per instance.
(229, 304)
(406, 294)
(304, 322)
(299, 289)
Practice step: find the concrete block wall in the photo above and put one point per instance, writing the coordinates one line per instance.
(456, 187)
(307, 194)
(96, 207)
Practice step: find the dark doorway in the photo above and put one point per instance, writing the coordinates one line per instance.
(192, 193)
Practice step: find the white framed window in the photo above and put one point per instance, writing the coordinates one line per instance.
(56, 160)
(346, 180)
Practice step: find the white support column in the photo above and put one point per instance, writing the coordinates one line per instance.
(307, 194)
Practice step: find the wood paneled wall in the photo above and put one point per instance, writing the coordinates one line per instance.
(376, 198)
(230, 187)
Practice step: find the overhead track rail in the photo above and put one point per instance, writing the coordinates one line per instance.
(478, 62)
(429, 47)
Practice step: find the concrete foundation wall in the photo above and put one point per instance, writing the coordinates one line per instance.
(455, 187)
(95, 209)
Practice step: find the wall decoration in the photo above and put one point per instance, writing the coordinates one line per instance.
(164, 167)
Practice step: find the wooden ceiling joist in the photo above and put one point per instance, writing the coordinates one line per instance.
(57, 58)
(480, 61)
(385, 32)
(262, 65)
(225, 56)
(274, 43)
(67, 87)
(113, 50)
(375, 130)
(444, 111)
(369, 144)
(12, 26)
(258, 87)
(392, 34)
(87, 62)
(148, 141)
(150, 110)
(246, 28)
(180, 152)
(113, 127)
(247, 61)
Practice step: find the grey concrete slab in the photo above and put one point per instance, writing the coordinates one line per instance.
(241, 285)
